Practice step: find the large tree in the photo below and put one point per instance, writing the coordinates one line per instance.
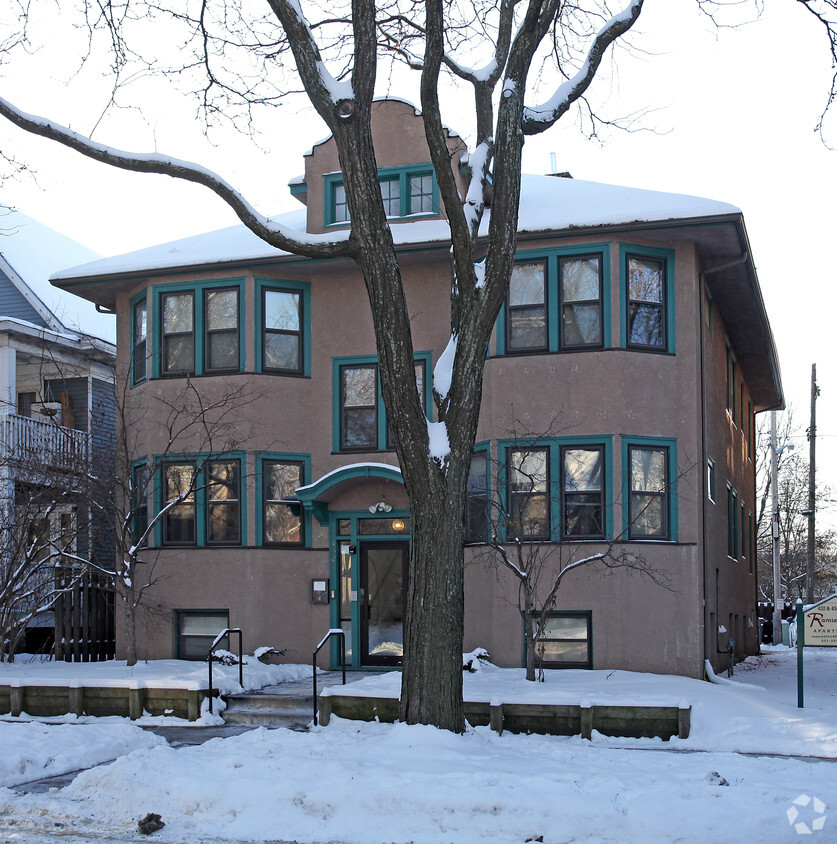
(241, 56)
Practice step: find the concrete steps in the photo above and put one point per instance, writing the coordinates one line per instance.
(266, 710)
(287, 705)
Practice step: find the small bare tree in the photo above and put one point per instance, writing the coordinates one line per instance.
(196, 432)
(519, 530)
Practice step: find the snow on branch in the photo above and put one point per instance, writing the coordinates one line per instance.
(539, 118)
(273, 233)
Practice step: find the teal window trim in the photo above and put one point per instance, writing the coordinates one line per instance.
(475, 503)
(160, 461)
(261, 457)
(669, 306)
(337, 365)
(198, 288)
(554, 445)
(139, 507)
(140, 299)
(553, 299)
(385, 174)
(304, 289)
(670, 444)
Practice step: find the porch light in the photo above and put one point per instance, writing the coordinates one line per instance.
(397, 525)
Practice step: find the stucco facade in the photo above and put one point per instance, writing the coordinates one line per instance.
(332, 551)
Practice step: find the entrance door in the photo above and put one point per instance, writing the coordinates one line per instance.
(383, 584)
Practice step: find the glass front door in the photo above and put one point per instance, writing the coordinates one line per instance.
(383, 601)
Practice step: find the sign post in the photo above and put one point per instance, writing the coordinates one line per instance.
(816, 627)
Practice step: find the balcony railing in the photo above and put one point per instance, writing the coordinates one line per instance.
(31, 443)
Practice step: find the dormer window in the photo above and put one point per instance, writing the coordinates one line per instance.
(406, 192)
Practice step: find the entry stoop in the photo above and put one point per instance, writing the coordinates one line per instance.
(286, 705)
(263, 709)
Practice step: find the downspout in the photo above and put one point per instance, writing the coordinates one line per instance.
(703, 425)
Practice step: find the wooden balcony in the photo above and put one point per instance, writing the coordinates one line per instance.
(32, 446)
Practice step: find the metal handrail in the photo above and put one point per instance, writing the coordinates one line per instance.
(213, 647)
(334, 631)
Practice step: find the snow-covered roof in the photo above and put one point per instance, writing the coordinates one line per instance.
(32, 252)
(547, 204)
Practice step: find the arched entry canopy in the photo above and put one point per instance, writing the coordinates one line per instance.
(316, 497)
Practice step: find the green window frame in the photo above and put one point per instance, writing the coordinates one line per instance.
(649, 488)
(283, 327)
(478, 497)
(215, 513)
(223, 501)
(567, 641)
(192, 333)
(281, 520)
(558, 300)
(544, 488)
(406, 192)
(180, 521)
(647, 299)
(139, 339)
(140, 489)
(358, 403)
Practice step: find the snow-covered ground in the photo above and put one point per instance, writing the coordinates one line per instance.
(375, 783)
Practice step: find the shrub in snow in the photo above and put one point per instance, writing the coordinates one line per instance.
(474, 660)
(225, 657)
(150, 823)
(263, 654)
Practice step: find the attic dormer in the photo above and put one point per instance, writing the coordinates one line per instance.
(408, 183)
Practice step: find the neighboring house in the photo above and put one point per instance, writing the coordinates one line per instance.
(631, 357)
(56, 408)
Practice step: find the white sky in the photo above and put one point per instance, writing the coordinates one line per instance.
(733, 112)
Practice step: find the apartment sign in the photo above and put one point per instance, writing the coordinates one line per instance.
(816, 627)
(820, 624)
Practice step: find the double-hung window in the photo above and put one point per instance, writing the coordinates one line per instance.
(529, 504)
(281, 515)
(558, 300)
(178, 328)
(649, 505)
(282, 340)
(360, 421)
(223, 502)
(139, 501)
(580, 290)
(221, 312)
(646, 302)
(526, 324)
(197, 329)
(582, 470)
(647, 298)
(476, 507)
(359, 408)
(179, 499)
(139, 369)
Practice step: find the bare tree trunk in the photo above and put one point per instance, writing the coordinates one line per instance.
(435, 613)
(130, 619)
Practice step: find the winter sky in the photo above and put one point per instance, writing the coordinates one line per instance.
(730, 115)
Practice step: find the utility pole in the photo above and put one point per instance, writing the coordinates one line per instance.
(778, 602)
(812, 475)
